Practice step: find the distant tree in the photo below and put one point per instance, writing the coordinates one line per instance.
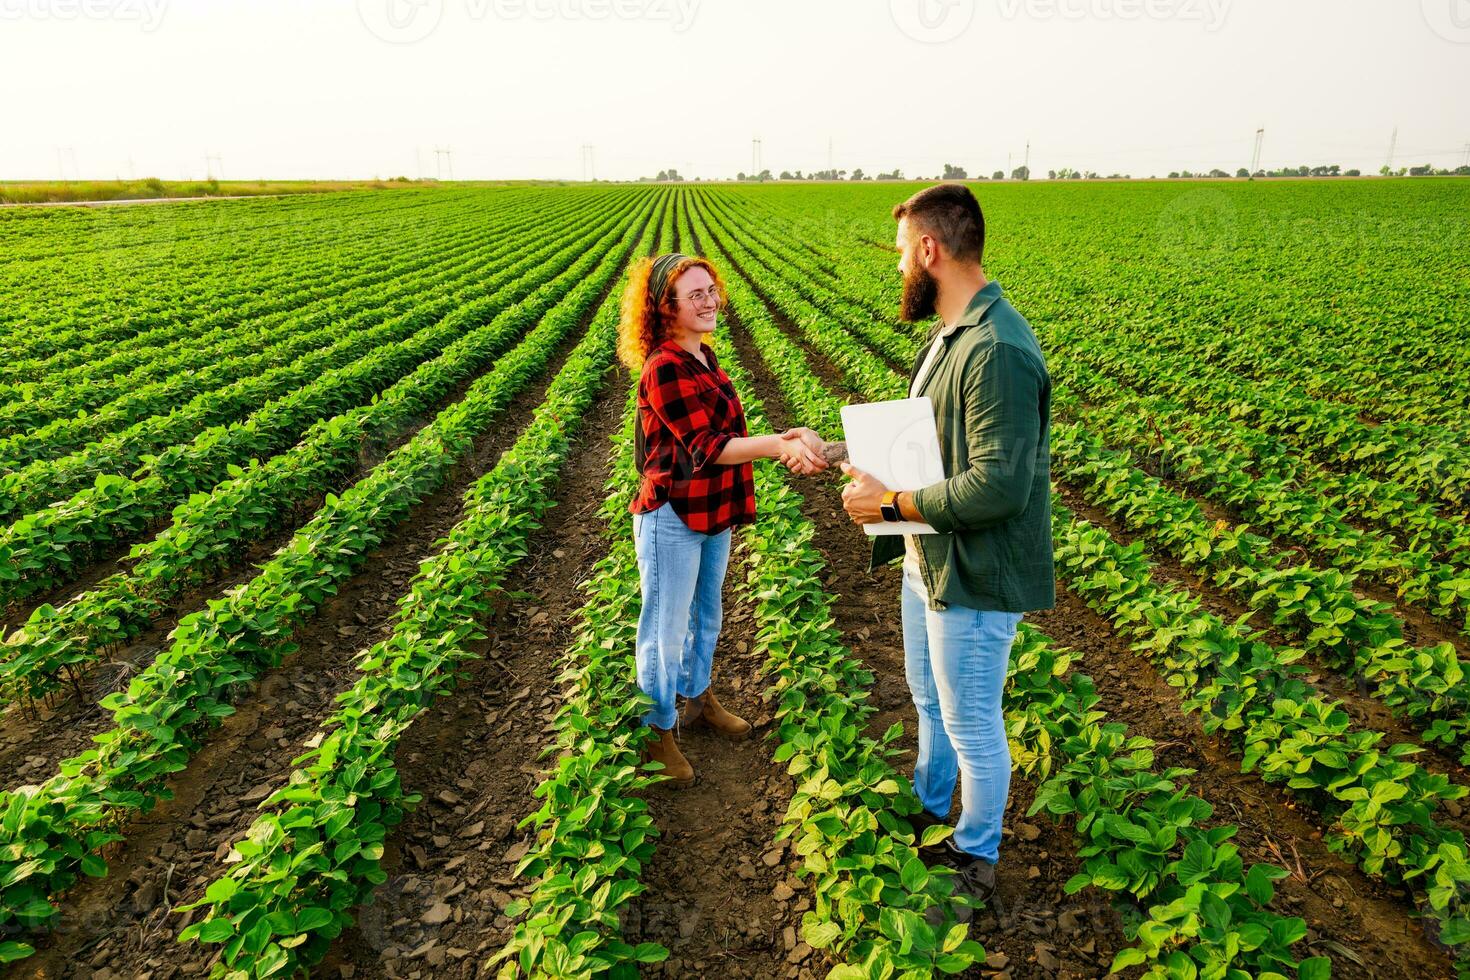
(1242, 172)
(740, 175)
(858, 174)
(1355, 172)
(1021, 173)
(1423, 171)
(1383, 171)
(951, 172)
(897, 174)
(785, 175)
(1217, 172)
(998, 175)
(1173, 174)
(763, 175)
(1051, 175)
(1459, 172)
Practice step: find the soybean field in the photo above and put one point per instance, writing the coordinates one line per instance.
(318, 592)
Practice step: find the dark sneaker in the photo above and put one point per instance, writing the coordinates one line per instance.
(921, 822)
(975, 880)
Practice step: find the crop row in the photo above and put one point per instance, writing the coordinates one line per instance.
(1410, 513)
(222, 386)
(119, 298)
(1380, 805)
(42, 547)
(1141, 830)
(119, 451)
(225, 351)
(1432, 671)
(1279, 297)
(1199, 453)
(305, 867)
(49, 833)
(208, 531)
(1316, 607)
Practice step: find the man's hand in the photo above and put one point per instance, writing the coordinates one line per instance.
(801, 451)
(861, 497)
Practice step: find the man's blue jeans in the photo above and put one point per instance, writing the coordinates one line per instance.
(955, 660)
(682, 573)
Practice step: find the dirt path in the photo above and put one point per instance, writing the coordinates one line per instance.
(122, 922)
(1350, 917)
(1365, 711)
(1044, 933)
(33, 742)
(475, 756)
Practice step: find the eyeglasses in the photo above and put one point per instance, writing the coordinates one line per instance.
(700, 295)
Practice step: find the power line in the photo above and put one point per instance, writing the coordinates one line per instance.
(443, 155)
(1256, 155)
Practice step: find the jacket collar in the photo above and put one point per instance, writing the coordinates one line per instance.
(979, 305)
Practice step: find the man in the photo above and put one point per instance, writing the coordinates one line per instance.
(966, 586)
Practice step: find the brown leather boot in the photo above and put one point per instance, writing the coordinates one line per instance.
(707, 710)
(665, 750)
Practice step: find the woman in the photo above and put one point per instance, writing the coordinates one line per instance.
(695, 458)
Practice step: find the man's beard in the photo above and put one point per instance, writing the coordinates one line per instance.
(920, 291)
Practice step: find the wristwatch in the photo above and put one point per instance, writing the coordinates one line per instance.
(889, 506)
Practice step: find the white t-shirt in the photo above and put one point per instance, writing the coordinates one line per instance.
(910, 541)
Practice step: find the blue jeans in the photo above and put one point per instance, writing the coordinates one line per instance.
(955, 660)
(682, 573)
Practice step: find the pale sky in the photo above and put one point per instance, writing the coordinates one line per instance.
(362, 88)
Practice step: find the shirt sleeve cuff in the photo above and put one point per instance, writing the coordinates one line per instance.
(708, 450)
(932, 503)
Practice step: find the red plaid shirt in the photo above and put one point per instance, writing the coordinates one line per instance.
(690, 412)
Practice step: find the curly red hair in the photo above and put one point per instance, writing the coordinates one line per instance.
(645, 318)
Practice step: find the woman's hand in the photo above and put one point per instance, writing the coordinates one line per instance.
(801, 451)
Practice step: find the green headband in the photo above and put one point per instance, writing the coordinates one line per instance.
(658, 279)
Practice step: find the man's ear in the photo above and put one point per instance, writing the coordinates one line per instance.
(929, 250)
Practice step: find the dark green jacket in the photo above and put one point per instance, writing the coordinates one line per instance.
(992, 404)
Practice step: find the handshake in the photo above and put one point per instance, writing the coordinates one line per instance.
(804, 452)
